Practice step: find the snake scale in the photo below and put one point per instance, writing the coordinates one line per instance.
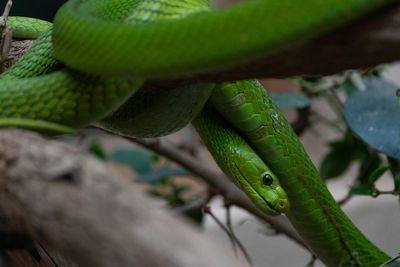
(88, 67)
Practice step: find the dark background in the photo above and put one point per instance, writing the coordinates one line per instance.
(43, 9)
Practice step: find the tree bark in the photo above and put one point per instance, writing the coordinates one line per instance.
(77, 206)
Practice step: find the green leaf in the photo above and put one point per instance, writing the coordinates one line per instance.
(349, 87)
(342, 153)
(377, 173)
(195, 214)
(138, 159)
(370, 161)
(96, 150)
(374, 114)
(290, 100)
(356, 79)
(397, 182)
(364, 189)
(335, 163)
(178, 191)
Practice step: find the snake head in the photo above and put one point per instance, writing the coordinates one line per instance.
(260, 184)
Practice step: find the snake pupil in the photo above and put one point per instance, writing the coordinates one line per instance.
(267, 179)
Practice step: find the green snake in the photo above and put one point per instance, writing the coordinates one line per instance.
(87, 68)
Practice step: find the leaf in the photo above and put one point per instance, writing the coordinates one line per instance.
(377, 173)
(155, 175)
(138, 159)
(364, 189)
(335, 163)
(349, 87)
(196, 215)
(370, 161)
(374, 114)
(356, 79)
(397, 182)
(96, 150)
(178, 191)
(393, 264)
(341, 155)
(290, 100)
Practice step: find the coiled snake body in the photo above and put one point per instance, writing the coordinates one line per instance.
(108, 48)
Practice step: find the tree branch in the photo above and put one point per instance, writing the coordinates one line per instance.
(220, 183)
(18, 49)
(77, 206)
(367, 42)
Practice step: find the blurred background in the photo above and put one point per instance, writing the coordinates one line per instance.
(322, 101)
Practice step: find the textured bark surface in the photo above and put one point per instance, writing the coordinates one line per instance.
(367, 42)
(77, 206)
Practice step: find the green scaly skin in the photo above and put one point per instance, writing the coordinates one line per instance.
(33, 97)
(313, 212)
(239, 161)
(28, 28)
(84, 38)
(203, 42)
(186, 102)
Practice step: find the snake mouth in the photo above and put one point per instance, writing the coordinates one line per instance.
(269, 204)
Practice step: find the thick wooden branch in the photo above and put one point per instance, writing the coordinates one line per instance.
(18, 49)
(76, 205)
(221, 184)
(367, 42)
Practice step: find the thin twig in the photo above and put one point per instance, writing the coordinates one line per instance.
(390, 261)
(302, 121)
(311, 263)
(327, 122)
(334, 102)
(48, 254)
(6, 36)
(345, 200)
(77, 206)
(234, 239)
(229, 223)
(220, 183)
(7, 10)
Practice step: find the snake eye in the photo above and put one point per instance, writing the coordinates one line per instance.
(267, 179)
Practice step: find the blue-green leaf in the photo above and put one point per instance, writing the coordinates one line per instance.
(374, 114)
(290, 100)
(397, 182)
(349, 87)
(155, 175)
(138, 159)
(393, 264)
